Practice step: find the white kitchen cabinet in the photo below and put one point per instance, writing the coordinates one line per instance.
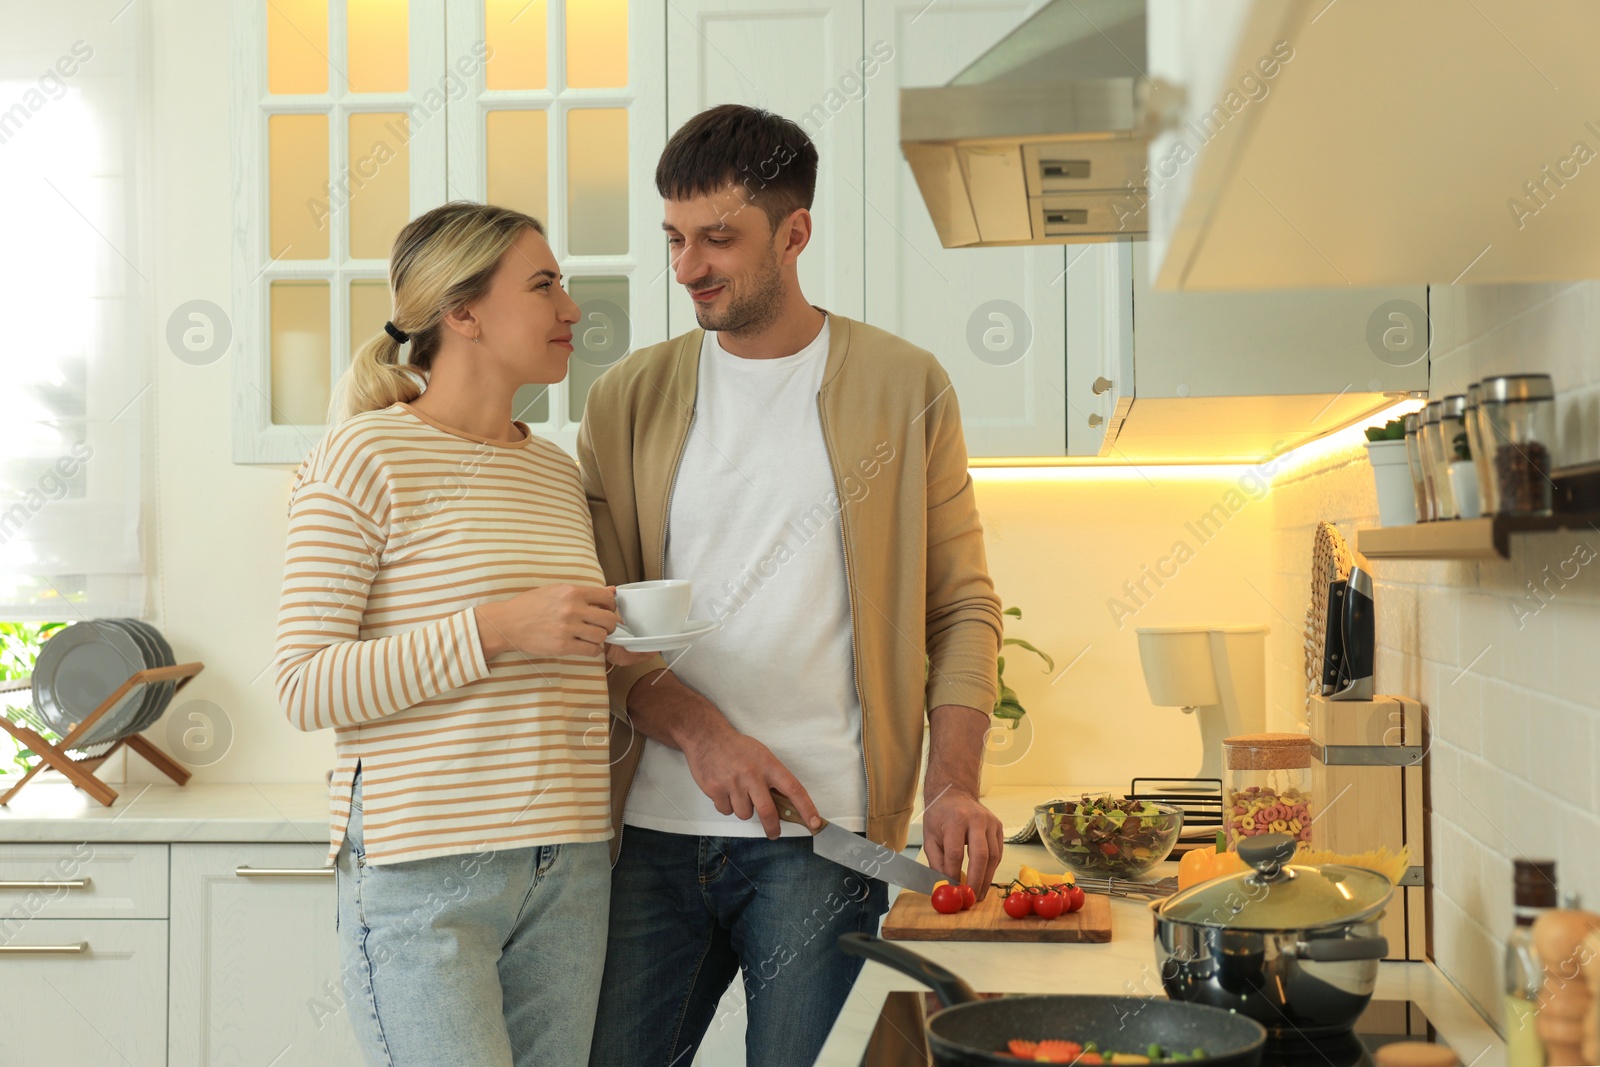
(995, 317)
(1228, 377)
(81, 991)
(1099, 350)
(255, 958)
(797, 60)
(1373, 143)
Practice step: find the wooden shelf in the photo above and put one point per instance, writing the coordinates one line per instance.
(1486, 538)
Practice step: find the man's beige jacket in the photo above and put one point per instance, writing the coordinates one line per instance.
(927, 621)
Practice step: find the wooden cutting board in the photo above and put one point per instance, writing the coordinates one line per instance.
(913, 919)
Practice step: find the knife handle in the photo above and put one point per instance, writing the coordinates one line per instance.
(787, 812)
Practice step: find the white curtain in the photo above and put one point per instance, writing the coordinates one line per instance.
(74, 359)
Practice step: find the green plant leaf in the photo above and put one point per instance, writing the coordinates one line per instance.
(1049, 663)
(1015, 613)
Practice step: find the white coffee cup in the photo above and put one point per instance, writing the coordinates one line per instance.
(654, 609)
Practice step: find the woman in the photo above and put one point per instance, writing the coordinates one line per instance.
(443, 612)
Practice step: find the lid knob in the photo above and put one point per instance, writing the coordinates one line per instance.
(1267, 853)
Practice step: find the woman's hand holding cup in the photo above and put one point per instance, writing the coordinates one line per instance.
(550, 621)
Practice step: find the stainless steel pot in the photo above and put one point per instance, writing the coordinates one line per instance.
(1294, 947)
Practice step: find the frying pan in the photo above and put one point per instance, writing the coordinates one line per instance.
(971, 1031)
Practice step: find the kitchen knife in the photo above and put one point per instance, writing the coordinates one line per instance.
(859, 854)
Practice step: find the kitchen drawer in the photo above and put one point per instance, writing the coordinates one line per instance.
(89, 991)
(118, 882)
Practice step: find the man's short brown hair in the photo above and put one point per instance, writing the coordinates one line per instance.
(768, 158)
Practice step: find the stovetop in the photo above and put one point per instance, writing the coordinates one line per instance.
(898, 1042)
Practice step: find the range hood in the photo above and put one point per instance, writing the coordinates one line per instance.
(1043, 139)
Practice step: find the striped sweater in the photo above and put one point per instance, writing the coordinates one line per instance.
(398, 526)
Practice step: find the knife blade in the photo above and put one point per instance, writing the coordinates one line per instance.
(859, 854)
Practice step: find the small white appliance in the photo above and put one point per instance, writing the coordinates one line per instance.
(1218, 673)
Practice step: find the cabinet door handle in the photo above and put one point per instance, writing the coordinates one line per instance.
(77, 883)
(1101, 385)
(44, 950)
(284, 872)
(1095, 420)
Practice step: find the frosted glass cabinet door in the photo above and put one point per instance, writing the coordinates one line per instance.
(995, 317)
(255, 959)
(800, 60)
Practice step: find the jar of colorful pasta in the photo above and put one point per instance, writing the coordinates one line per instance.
(1266, 786)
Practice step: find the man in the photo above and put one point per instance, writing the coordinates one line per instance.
(808, 474)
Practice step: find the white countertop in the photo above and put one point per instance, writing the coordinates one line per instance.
(1126, 965)
(48, 810)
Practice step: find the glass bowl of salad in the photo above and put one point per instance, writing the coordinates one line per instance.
(1105, 836)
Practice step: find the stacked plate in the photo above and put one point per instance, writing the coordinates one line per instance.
(83, 664)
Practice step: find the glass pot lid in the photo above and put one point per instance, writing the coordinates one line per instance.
(1277, 895)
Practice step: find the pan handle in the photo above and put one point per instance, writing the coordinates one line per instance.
(950, 989)
(1336, 949)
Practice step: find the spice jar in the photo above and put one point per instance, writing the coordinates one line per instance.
(1419, 478)
(1519, 412)
(1436, 461)
(1453, 432)
(1482, 454)
(1266, 786)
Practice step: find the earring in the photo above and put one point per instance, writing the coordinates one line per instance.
(474, 340)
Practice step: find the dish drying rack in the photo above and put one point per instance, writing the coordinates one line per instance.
(79, 769)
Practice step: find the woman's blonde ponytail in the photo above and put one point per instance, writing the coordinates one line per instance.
(442, 260)
(375, 380)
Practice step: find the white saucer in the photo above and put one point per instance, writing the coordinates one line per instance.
(663, 642)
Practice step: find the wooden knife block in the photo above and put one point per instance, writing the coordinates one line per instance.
(1372, 806)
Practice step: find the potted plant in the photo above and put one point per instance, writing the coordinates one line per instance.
(1386, 451)
(1006, 705)
(1007, 746)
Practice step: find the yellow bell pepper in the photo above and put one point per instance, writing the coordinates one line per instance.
(1030, 876)
(1203, 864)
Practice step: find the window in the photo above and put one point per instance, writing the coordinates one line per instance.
(359, 115)
(76, 364)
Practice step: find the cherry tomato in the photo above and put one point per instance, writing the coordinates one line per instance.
(1075, 898)
(969, 896)
(1049, 904)
(1019, 905)
(946, 899)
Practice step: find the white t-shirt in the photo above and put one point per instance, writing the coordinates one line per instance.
(754, 524)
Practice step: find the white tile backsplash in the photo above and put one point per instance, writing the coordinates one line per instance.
(1505, 654)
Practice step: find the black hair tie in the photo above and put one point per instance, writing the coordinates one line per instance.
(396, 332)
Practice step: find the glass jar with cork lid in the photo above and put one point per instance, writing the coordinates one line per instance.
(1266, 786)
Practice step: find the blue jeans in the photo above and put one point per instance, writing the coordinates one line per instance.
(490, 959)
(689, 913)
